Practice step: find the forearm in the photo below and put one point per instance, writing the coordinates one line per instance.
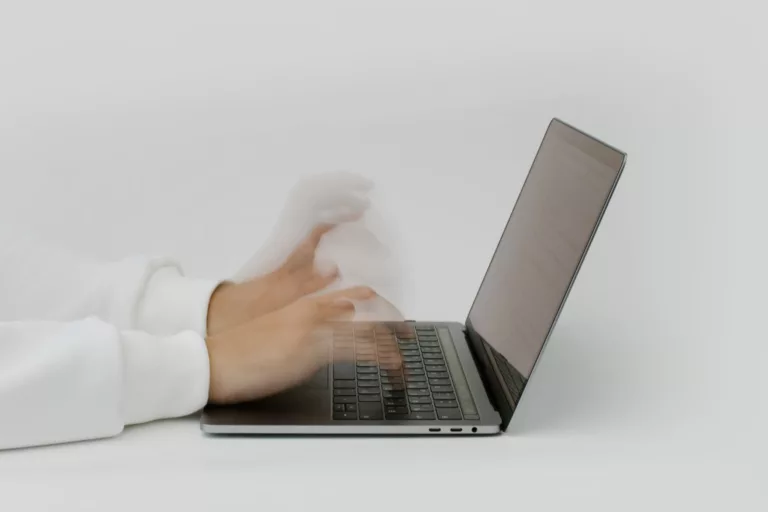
(63, 382)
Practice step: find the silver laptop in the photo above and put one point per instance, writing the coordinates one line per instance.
(443, 378)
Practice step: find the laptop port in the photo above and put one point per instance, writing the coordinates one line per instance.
(456, 429)
(435, 430)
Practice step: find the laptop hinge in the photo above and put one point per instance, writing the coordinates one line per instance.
(494, 385)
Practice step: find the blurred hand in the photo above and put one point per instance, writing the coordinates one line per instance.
(235, 303)
(327, 198)
(279, 350)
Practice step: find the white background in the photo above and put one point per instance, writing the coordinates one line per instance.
(177, 128)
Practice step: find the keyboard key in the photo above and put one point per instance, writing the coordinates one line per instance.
(369, 398)
(414, 371)
(368, 391)
(392, 380)
(392, 387)
(366, 363)
(410, 353)
(370, 411)
(421, 407)
(442, 389)
(351, 407)
(440, 382)
(437, 375)
(344, 371)
(339, 384)
(395, 401)
(433, 359)
(444, 396)
(344, 416)
(430, 350)
(422, 328)
(368, 384)
(344, 392)
(396, 410)
(367, 370)
(338, 407)
(394, 394)
(390, 373)
(446, 403)
(392, 366)
(412, 359)
(448, 414)
(420, 399)
(414, 365)
(344, 399)
(367, 376)
(417, 385)
(421, 416)
(418, 392)
(427, 337)
(432, 368)
(415, 378)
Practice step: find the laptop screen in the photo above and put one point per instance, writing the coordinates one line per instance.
(543, 244)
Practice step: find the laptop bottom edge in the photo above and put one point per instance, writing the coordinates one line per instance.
(354, 429)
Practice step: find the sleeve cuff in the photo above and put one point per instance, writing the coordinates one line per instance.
(173, 303)
(163, 377)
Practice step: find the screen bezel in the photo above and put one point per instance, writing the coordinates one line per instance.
(489, 370)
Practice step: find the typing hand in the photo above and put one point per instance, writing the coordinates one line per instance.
(279, 350)
(235, 303)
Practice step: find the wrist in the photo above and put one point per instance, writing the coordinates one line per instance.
(220, 302)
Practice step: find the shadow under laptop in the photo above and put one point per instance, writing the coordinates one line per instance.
(573, 389)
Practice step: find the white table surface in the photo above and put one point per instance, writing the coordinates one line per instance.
(172, 122)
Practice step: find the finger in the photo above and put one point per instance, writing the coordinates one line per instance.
(354, 293)
(319, 281)
(336, 311)
(318, 232)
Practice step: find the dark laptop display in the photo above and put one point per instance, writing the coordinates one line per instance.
(541, 249)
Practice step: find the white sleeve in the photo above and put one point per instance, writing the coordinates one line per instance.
(39, 281)
(81, 380)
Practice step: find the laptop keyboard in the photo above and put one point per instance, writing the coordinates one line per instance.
(391, 372)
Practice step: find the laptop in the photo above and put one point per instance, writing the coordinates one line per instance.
(438, 378)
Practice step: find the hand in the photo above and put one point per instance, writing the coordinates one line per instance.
(233, 304)
(279, 350)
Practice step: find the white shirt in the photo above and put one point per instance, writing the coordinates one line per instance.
(89, 347)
